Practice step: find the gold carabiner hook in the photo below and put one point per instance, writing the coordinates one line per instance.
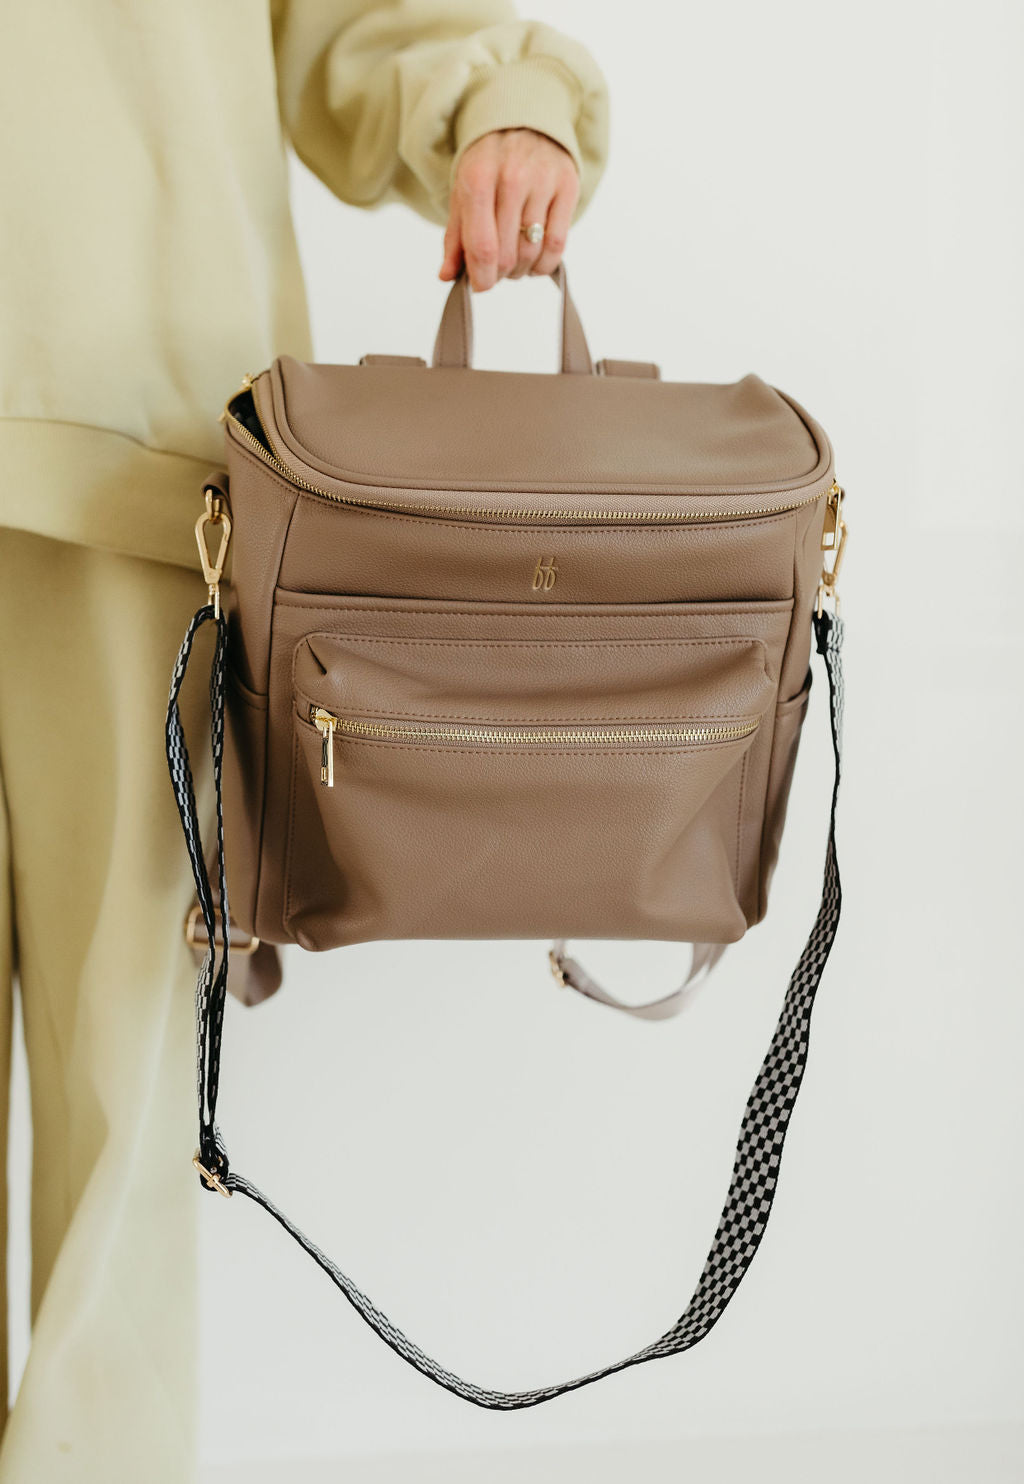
(215, 514)
(833, 543)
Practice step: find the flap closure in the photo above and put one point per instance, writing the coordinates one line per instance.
(455, 428)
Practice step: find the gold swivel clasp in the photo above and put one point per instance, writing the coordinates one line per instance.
(215, 514)
(833, 544)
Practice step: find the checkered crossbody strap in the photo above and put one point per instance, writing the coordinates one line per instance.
(765, 1121)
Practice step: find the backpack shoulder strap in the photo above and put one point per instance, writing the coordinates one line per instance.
(765, 1120)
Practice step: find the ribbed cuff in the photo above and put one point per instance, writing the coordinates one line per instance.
(532, 93)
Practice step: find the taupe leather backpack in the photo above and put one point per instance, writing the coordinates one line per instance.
(514, 655)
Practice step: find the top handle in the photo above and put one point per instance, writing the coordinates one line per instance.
(454, 343)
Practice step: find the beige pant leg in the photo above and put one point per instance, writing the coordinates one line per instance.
(100, 889)
(6, 1005)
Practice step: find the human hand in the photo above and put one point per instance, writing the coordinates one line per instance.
(506, 180)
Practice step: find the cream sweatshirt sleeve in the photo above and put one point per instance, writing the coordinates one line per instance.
(381, 100)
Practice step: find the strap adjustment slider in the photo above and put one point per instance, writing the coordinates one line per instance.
(196, 936)
(210, 1178)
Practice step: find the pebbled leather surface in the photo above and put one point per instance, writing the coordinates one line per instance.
(434, 612)
(401, 555)
(455, 429)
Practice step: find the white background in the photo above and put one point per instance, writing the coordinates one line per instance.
(527, 1183)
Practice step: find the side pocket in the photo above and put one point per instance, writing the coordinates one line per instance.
(789, 719)
(245, 750)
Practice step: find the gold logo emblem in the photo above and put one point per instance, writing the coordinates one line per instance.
(545, 574)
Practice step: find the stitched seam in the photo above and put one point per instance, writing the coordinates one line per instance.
(739, 823)
(301, 691)
(291, 829)
(285, 597)
(530, 720)
(613, 645)
(268, 731)
(365, 479)
(467, 305)
(351, 640)
(531, 644)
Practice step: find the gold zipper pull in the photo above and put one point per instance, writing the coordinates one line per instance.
(325, 724)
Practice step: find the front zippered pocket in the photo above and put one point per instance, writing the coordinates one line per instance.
(503, 777)
(514, 738)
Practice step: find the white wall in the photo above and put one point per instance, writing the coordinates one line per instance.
(829, 195)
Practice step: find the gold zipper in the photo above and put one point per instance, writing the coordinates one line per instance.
(487, 513)
(327, 724)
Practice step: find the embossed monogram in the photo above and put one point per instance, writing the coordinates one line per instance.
(545, 574)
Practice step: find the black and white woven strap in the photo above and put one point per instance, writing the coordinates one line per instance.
(765, 1121)
(211, 985)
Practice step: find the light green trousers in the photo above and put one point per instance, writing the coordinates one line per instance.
(95, 887)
